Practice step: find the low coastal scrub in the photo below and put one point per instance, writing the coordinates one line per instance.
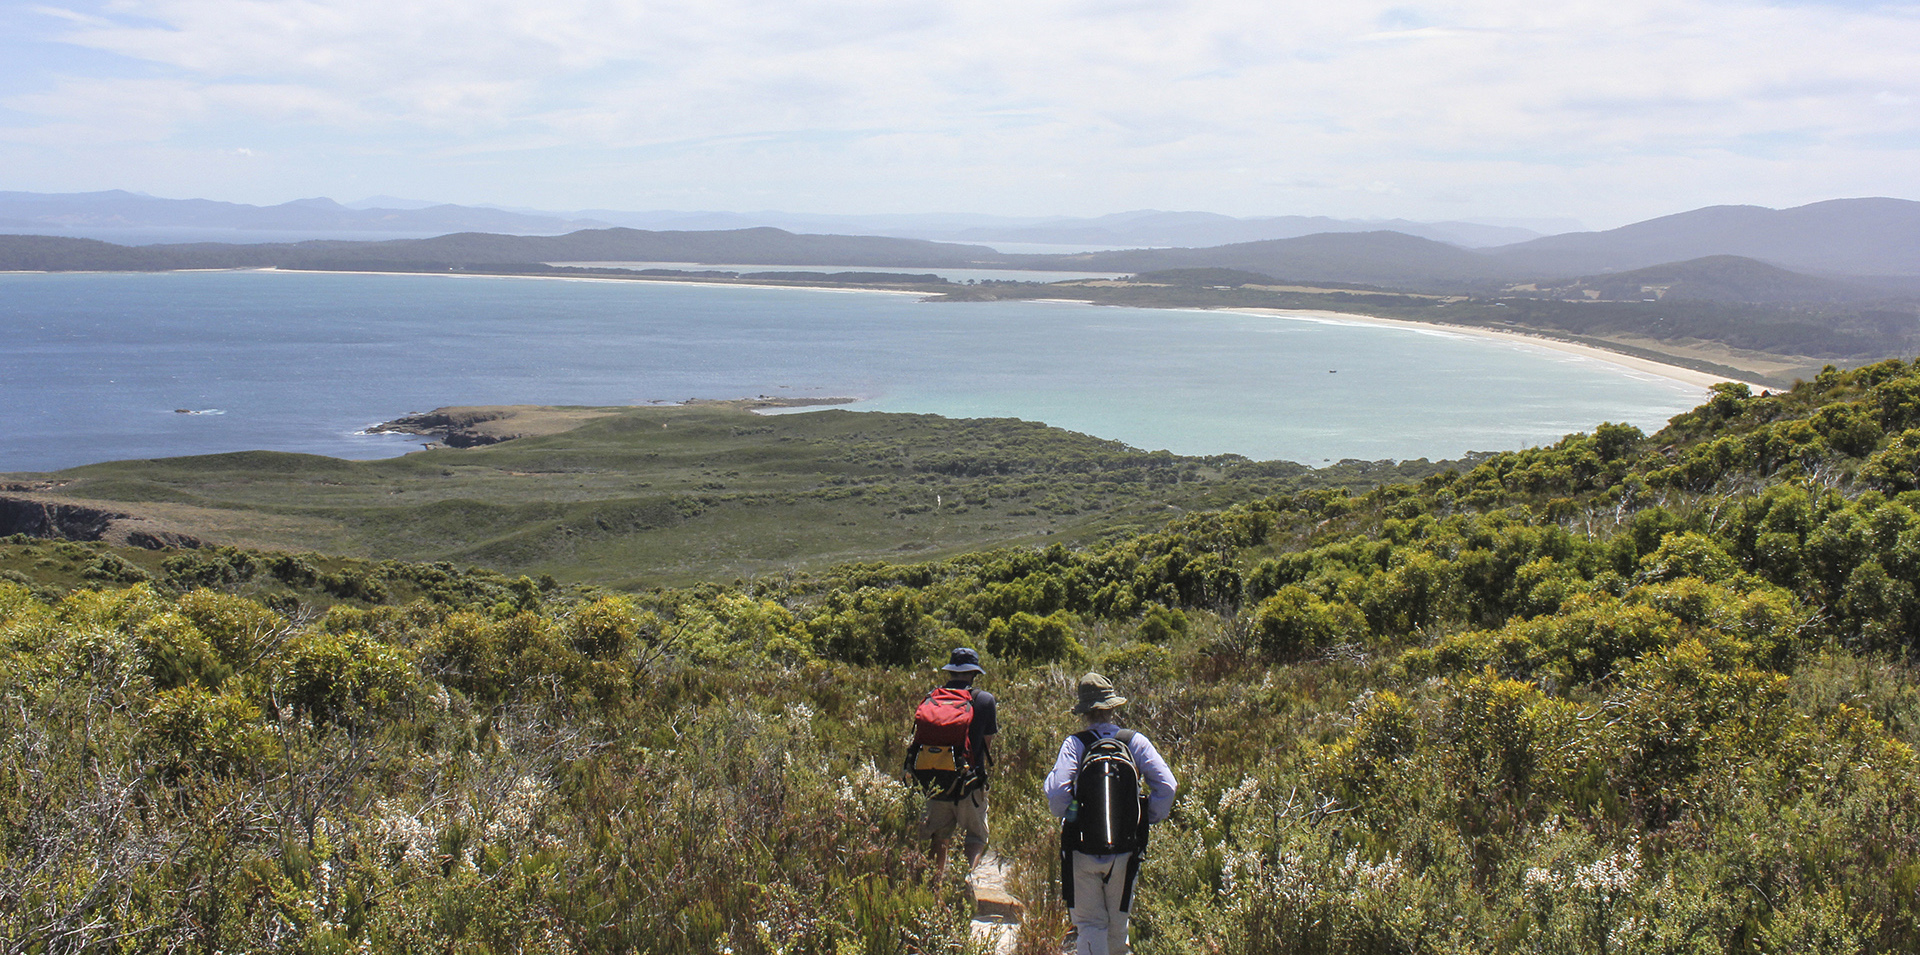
(1620, 694)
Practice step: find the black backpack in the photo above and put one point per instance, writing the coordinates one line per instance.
(1109, 811)
(1109, 815)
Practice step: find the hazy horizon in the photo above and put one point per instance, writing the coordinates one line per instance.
(923, 218)
(1430, 112)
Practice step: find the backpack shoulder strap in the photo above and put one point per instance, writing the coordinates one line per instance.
(1087, 738)
(1126, 736)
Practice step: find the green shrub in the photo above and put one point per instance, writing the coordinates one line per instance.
(18, 605)
(344, 679)
(191, 728)
(177, 654)
(239, 629)
(112, 568)
(1139, 663)
(1027, 638)
(605, 628)
(1897, 466)
(464, 652)
(738, 630)
(1687, 554)
(1293, 623)
(871, 627)
(1161, 624)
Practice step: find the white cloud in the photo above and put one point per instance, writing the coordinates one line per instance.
(1602, 110)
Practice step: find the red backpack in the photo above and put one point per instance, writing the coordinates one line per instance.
(940, 758)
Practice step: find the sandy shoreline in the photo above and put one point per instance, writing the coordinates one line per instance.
(647, 280)
(1678, 373)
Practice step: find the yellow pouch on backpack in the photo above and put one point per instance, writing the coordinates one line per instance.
(934, 759)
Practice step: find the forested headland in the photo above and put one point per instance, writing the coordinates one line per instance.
(1626, 692)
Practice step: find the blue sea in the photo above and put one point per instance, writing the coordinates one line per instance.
(97, 367)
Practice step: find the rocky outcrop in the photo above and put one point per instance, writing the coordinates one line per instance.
(455, 427)
(55, 520)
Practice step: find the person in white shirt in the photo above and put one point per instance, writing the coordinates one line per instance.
(1102, 884)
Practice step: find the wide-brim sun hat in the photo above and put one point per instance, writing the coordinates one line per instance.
(964, 660)
(1096, 693)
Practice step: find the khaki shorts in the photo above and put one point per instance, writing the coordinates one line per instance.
(968, 813)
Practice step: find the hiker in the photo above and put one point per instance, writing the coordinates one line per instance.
(1108, 785)
(949, 758)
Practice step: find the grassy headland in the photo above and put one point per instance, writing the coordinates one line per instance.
(652, 496)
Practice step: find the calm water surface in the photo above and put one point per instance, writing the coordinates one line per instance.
(95, 365)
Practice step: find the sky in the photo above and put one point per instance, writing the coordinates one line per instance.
(1607, 111)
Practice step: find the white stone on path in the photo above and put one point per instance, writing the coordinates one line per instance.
(996, 913)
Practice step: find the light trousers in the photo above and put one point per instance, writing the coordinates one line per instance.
(968, 814)
(1099, 883)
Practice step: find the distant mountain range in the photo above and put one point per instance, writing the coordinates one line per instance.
(763, 246)
(1842, 250)
(1876, 240)
(1144, 228)
(1199, 229)
(97, 212)
(1840, 237)
(1387, 259)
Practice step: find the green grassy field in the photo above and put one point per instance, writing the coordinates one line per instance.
(646, 497)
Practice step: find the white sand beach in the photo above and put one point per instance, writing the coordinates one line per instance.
(1631, 363)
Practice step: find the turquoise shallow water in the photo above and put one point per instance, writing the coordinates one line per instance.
(96, 364)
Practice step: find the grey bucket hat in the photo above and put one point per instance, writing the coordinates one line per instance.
(1096, 693)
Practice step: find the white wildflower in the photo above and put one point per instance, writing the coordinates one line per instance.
(1610, 874)
(1245, 794)
(862, 785)
(514, 815)
(1626, 936)
(1289, 877)
(1239, 868)
(800, 717)
(407, 839)
(1361, 872)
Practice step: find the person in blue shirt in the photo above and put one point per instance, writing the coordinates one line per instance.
(1100, 886)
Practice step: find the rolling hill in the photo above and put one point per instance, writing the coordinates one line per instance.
(1387, 259)
(1715, 278)
(1841, 236)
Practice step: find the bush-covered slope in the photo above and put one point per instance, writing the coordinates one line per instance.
(1622, 694)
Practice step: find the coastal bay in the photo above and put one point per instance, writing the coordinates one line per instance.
(307, 362)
